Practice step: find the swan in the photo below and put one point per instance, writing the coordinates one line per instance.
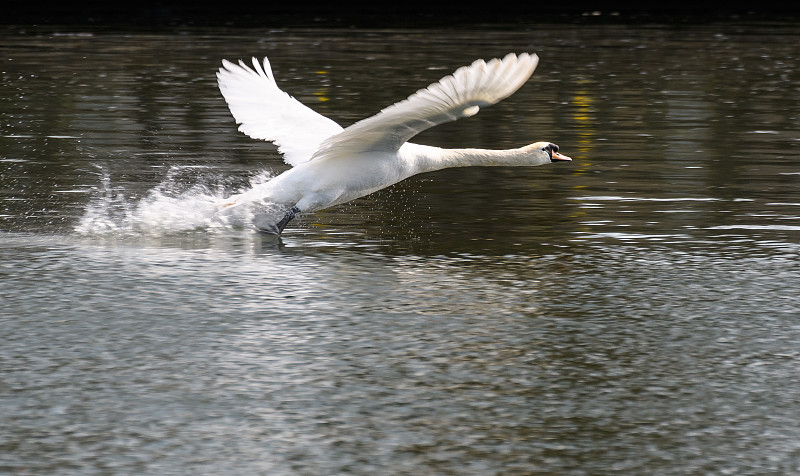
(333, 165)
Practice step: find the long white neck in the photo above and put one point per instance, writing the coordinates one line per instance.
(427, 159)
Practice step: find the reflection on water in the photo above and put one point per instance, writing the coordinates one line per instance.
(633, 311)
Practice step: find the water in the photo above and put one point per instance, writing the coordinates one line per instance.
(633, 312)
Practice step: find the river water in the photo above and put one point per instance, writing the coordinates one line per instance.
(632, 312)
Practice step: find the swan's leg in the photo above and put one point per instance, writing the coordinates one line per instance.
(277, 228)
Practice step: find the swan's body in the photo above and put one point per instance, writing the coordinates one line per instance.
(332, 165)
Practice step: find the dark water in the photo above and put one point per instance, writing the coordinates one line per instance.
(633, 312)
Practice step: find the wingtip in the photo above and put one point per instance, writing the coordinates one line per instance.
(226, 65)
(532, 59)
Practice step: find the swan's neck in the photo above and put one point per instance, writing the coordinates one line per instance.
(428, 159)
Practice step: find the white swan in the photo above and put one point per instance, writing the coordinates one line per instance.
(332, 165)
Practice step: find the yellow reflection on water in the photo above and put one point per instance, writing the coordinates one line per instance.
(585, 125)
(322, 93)
(584, 122)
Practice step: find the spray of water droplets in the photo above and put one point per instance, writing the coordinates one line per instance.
(175, 205)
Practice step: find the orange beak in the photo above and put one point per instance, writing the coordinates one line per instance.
(561, 157)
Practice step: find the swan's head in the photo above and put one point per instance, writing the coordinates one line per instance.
(541, 153)
(546, 152)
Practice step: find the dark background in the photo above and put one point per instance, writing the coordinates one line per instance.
(388, 13)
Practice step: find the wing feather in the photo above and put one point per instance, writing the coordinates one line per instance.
(455, 96)
(265, 112)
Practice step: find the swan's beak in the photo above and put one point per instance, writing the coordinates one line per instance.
(560, 157)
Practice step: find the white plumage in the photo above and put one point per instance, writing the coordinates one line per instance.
(334, 165)
(265, 112)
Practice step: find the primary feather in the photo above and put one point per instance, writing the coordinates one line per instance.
(265, 112)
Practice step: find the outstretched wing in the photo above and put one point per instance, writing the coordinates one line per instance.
(459, 95)
(266, 112)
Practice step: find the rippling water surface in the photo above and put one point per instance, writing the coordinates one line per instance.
(633, 312)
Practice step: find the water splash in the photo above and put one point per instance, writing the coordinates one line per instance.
(173, 206)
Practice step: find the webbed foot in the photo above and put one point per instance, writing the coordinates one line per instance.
(277, 228)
